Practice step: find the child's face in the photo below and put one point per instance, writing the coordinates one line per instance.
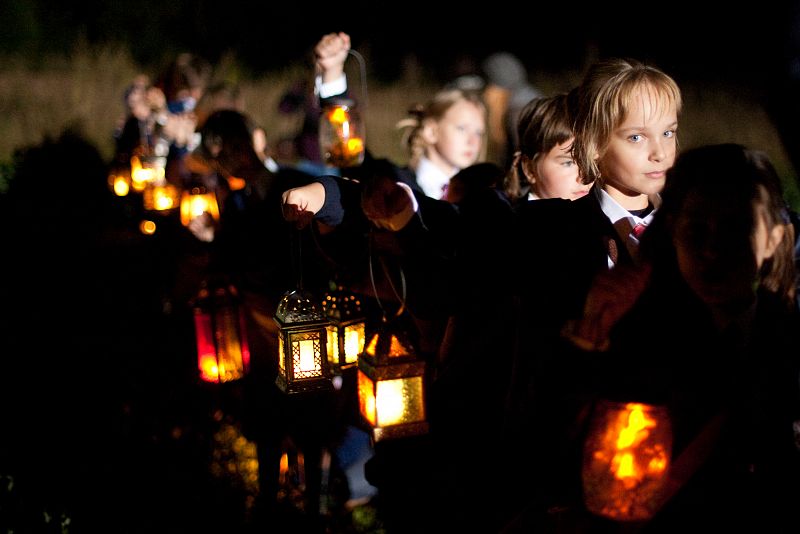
(641, 149)
(555, 174)
(458, 135)
(720, 251)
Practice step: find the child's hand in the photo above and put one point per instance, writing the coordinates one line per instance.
(202, 227)
(612, 295)
(387, 204)
(300, 204)
(331, 53)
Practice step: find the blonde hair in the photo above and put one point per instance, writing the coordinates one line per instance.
(603, 101)
(434, 110)
(543, 124)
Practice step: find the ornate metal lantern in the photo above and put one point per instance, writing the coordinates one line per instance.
(391, 385)
(302, 346)
(223, 353)
(626, 459)
(346, 330)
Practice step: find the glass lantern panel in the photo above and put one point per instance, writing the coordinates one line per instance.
(399, 400)
(306, 355)
(366, 397)
(333, 344)
(626, 458)
(353, 342)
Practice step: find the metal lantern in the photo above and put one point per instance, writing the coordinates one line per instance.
(302, 345)
(341, 137)
(223, 353)
(391, 385)
(195, 202)
(626, 459)
(346, 332)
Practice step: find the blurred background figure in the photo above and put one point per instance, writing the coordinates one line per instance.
(507, 91)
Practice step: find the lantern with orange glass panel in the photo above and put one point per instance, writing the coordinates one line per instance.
(223, 354)
(391, 385)
(626, 460)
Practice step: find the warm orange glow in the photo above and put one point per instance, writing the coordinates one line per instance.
(395, 347)
(160, 196)
(626, 460)
(194, 203)
(355, 145)
(306, 362)
(120, 183)
(236, 183)
(338, 115)
(223, 353)
(353, 342)
(147, 227)
(396, 400)
(366, 397)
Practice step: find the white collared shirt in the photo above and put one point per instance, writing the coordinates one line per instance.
(431, 178)
(623, 220)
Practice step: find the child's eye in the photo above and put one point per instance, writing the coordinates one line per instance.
(568, 163)
(635, 138)
(669, 133)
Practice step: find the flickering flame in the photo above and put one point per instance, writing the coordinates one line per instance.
(338, 115)
(355, 145)
(626, 461)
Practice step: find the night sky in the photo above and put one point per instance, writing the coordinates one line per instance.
(734, 43)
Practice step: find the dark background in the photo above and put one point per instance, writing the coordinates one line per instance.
(749, 43)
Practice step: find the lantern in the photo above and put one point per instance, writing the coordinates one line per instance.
(341, 134)
(346, 329)
(195, 202)
(302, 345)
(119, 180)
(223, 354)
(146, 169)
(626, 459)
(391, 393)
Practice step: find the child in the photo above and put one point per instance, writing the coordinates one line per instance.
(723, 280)
(625, 119)
(543, 166)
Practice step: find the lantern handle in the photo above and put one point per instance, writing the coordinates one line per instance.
(296, 249)
(402, 298)
(363, 74)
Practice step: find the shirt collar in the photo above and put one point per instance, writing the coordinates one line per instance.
(431, 178)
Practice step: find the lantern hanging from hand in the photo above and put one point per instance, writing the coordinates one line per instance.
(341, 134)
(346, 329)
(391, 385)
(302, 345)
(626, 459)
(223, 353)
(195, 202)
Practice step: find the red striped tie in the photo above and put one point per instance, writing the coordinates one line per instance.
(638, 230)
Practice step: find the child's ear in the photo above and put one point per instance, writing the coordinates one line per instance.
(528, 169)
(430, 131)
(774, 239)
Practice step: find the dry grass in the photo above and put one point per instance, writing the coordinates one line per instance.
(84, 91)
